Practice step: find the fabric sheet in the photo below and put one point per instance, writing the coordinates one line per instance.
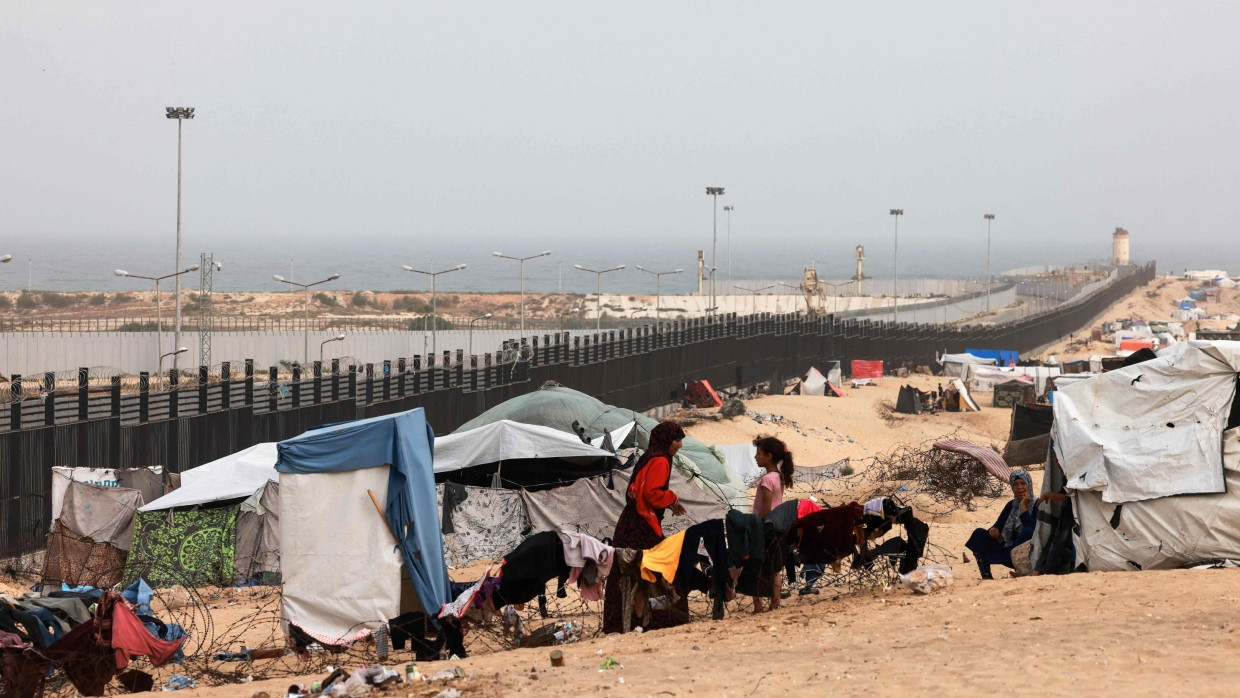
(191, 548)
(588, 506)
(486, 525)
(663, 558)
(74, 560)
(986, 456)
(341, 568)
(103, 514)
(257, 554)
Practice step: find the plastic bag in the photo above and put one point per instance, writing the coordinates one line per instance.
(928, 578)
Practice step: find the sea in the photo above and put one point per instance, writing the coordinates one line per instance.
(373, 262)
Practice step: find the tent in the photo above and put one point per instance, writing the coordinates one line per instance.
(192, 547)
(590, 506)
(152, 481)
(957, 365)
(701, 394)
(742, 459)
(1002, 357)
(866, 369)
(522, 455)
(983, 379)
(1029, 436)
(240, 494)
(559, 407)
(235, 476)
(89, 539)
(956, 398)
(909, 400)
(814, 383)
(1016, 391)
(341, 559)
(1151, 456)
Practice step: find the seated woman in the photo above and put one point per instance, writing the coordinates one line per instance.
(1013, 527)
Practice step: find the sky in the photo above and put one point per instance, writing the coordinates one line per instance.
(431, 133)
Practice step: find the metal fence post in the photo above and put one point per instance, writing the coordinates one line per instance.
(273, 388)
(115, 395)
(174, 393)
(144, 397)
(226, 385)
(335, 380)
(203, 377)
(15, 408)
(296, 385)
(400, 377)
(387, 380)
(317, 368)
(49, 401)
(83, 393)
(249, 382)
(370, 383)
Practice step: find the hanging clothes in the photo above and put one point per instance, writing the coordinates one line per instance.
(663, 559)
(526, 570)
(589, 561)
(827, 536)
(744, 536)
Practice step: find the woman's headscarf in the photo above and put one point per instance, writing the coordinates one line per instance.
(1011, 527)
(661, 438)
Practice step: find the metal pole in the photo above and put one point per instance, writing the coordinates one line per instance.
(714, 242)
(306, 328)
(598, 298)
(522, 297)
(989, 281)
(434, 319)
(177, 334)
(658, 290)
(159, 326)
(895, 272)
(729, 211)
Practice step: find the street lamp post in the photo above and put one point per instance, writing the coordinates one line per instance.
(522, 260)
(598, 293)
(989, 218)
(728, 210)
(306, 305)
(180, 114)
(895, 267)
(714, 193)
(434, 306)
(337, 338)
(484, 316)
(753, 308)
(159, 307)
(571, 311)
(175, 352)
(798, 290)
(658, 286)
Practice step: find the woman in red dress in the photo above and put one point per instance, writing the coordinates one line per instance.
(640, 526)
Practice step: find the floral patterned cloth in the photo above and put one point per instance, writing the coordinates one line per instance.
(487, 525)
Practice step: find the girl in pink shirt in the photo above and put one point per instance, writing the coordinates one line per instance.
(774, 457)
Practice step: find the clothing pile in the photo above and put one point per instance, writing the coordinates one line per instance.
(88, 633)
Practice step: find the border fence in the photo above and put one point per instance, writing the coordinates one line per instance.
(181, 422)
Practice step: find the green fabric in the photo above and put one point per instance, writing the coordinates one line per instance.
(190, 548)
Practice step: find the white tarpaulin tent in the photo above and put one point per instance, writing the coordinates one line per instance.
(618, 436)
(741, 458)
(956, 365)
(234, 476)
(508, 440)
(814, 383)
(1150, 430)
(982, 379)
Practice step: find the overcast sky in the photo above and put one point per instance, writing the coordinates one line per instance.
(584, 126)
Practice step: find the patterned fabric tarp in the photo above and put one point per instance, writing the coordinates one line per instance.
(587, 506)
(190, 548)
(987, 457)
(102, 514)
(486, 526)
(75, 560)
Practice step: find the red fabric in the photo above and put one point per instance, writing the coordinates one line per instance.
(867, 369)
(806, 507)
(129, 636)
(649, 491)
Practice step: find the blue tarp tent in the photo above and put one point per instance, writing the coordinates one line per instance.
(1003, 357)
(350, 456)
(1187, 305)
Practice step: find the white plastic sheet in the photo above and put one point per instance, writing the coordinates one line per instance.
(234, 476)
(506, 440)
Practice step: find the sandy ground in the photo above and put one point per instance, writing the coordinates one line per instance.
(1147, 633)
(1153, 302)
